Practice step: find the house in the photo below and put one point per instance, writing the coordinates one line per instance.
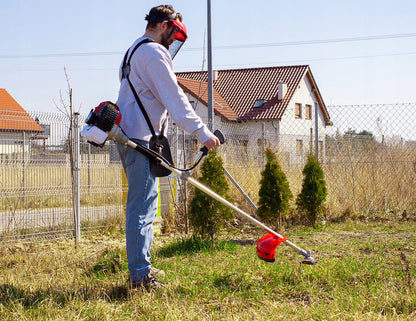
(258, 107)
(17, 128)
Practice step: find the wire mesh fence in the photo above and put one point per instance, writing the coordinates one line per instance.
(36, 181)
(368, 156)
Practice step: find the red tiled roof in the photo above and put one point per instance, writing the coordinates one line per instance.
(13, 117)
(200, 90)
(240, 88)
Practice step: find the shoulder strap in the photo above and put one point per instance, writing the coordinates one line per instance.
(125, 75)
(126, 60)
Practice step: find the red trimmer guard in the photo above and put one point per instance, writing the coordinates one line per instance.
(266, 246)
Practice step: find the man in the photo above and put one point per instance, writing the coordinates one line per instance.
(151, 74)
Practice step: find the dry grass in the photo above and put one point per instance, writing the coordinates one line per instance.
(373, 181)
(36, 186)
(365, 272)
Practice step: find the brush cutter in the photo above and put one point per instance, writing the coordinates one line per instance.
(267, 245)
(103, 123)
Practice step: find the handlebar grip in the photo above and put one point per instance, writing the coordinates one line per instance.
(220, 137)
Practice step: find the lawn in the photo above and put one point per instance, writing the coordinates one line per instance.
(366, 271)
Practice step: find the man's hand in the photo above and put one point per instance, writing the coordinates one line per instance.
(212, 143)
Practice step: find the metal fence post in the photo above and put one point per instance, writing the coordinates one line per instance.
(77, 182)
(24, 169)
(316, 132)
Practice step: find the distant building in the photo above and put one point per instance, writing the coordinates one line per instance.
(17, 128)
(278, 102)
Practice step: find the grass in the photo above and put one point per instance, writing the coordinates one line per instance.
(50, 186)
(366, 271)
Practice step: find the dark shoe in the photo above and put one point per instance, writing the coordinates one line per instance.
(148, 282)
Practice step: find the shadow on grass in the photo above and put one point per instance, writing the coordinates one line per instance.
(11, 294)
(196, 244)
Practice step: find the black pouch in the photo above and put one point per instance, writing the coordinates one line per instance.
(160, 145)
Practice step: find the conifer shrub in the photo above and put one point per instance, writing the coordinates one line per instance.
(313, 195)
(274, 193)
(206, 215)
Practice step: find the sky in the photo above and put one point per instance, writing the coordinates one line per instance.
(359, 51)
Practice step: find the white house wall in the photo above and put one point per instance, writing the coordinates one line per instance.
(279, 135)
(11, 145)
(293, 129)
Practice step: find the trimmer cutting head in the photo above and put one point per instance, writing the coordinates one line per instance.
(308, 259)
(267, 245)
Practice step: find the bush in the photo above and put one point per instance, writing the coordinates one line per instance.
(207, 215)
(274, 193)
(313, 193)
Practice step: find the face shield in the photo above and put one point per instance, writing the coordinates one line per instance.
(180, 35)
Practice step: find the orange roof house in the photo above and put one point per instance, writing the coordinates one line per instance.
(280, 106)
(221, 107)
(13, 118)
(240, 88)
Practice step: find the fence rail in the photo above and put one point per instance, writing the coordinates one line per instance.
(368, 157)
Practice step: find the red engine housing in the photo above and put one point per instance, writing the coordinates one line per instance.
(104, 116)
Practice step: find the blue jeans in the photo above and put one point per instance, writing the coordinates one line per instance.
(141, 209)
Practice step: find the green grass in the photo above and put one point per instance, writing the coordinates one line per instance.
(366, 271)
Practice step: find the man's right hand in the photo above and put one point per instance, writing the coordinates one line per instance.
(212, 143)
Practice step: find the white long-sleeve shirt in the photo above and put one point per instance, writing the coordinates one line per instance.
(151, 73)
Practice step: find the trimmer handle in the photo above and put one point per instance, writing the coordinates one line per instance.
(221, 138)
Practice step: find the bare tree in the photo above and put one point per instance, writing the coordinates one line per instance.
(66, 107)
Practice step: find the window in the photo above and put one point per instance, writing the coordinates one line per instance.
(243, 147)
(192, 104)
(259, 103)
(298, 110)
(243, 143)
(308, 112)
(299, 147)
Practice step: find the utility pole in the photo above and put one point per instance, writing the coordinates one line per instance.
(210, 87)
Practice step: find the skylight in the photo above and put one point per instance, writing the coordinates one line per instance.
(259, 103)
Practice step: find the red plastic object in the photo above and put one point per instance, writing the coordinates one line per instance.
(266, 246)
(101, 106)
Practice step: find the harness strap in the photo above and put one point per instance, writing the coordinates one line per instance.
(125, 69)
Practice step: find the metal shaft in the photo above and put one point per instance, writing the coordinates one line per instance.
(117, 135)
(214, 195)
(239, 188)
(235, 208)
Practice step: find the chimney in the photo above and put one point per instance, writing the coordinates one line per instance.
(214, 75)
(281, 90)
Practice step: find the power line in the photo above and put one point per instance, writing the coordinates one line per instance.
(313, 42)
(303, 61)
(296, 61)
(241, 46)
(59, 55)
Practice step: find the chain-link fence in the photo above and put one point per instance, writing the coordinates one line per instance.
(370, 163)
(368, 157)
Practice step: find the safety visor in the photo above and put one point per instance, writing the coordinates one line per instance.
(179, 30)
(180, 35)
